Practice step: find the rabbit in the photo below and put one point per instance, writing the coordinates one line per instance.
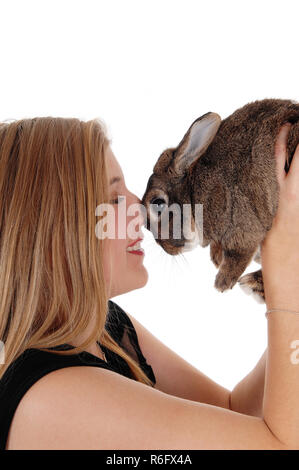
(229, 167)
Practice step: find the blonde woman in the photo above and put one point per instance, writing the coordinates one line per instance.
(79, 372)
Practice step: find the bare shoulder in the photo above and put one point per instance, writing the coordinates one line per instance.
(47, 410)
(94, 408)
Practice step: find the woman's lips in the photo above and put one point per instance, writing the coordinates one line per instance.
(135, 241)
(135, 248)
(139, 252)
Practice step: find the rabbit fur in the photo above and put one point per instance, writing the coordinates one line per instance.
(229, 167)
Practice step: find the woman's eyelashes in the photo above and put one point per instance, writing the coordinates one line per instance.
(118, 200)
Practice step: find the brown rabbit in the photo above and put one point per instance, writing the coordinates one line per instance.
(229, 167)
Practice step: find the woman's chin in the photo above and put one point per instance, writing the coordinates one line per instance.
(139, 281)
(145, 277)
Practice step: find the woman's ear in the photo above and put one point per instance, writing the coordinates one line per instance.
(195, 142)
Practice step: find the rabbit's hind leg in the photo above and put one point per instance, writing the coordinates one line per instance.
(252, 283)
(216, 253)
(232, 266)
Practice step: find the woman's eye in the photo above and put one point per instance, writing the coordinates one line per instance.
(116, 201)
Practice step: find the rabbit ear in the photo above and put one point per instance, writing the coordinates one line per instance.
(195, 142)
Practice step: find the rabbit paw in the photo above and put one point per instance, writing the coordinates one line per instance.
(232, 267)
(216, 253)
(252, 284)
(224, 281)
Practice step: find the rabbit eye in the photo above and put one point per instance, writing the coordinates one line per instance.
(158, 204)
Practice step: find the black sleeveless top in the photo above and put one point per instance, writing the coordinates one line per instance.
(33, 364)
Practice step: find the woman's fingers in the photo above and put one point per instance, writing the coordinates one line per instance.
(281, 152)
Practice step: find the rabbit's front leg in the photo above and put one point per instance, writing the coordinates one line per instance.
(216, 253)
(232, 266)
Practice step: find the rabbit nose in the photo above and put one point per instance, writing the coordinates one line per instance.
(142, 216)
(146, 223)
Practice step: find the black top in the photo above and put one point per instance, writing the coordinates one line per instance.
(33, 364)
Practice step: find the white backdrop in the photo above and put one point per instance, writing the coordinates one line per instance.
(149, 69)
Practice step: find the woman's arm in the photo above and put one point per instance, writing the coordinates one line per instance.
(280, 264)
(272, 387)
(280, 275)
(247, 396)
(176, 376)
(94, 408)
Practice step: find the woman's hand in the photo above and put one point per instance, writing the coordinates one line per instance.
(280, 249)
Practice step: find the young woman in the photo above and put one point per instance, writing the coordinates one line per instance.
(79, 372)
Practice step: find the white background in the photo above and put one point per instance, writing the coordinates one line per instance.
(149, 69)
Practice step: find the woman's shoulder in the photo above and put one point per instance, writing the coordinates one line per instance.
(40, 376)
(88, 408)
(79, 405)
(51, 399)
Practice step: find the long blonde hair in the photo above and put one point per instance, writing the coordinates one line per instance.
(53, 175)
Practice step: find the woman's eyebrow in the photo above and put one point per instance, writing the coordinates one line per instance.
(115, 179)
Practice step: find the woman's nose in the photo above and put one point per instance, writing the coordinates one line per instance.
(141, 214)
